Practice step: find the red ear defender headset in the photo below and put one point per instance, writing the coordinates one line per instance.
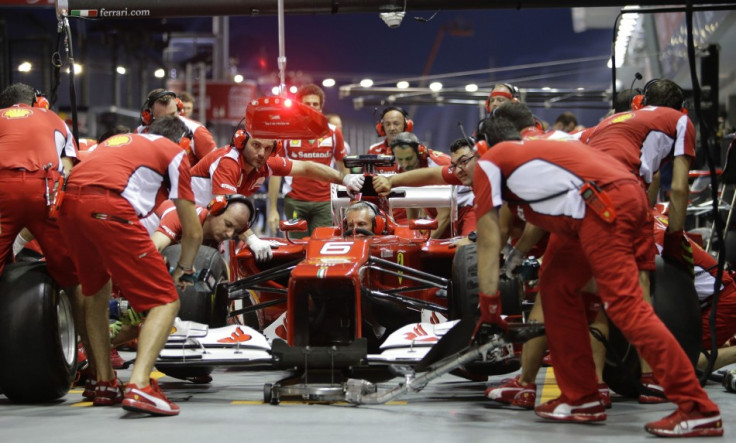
(481, 145)
(379, 219)
(179, 106)
(241, 137)
(186, 141)
(640, 100)
(513, 95)
(147, 113)
(220, 203)
(408, 123)
(40, 100)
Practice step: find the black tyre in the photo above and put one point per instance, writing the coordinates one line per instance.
(676, 302)
(37, 336)
(464, 299)
(201, 302)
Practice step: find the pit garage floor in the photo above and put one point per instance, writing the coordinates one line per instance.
(231, 409)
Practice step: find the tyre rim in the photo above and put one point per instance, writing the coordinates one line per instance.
(67, 334)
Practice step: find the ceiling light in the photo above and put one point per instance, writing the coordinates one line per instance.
(328, 82)
(121, 70)
(25, 67)
(238, 78)
(472, 87)
(159, 73)
(366, 83)
(403, 84)
(435, 86)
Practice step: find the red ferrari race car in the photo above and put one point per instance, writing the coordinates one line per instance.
(337, 307)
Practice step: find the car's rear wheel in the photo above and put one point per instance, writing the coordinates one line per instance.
(37, 335)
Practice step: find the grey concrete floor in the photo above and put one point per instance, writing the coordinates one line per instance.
(231, 409)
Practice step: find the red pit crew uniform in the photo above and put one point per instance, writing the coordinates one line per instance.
(706, 268)
(170, 225)
(202, 142)
(32, 143)
(643, 140)
(106, 194)
(222, 172)
(543, 177)
(325, 150)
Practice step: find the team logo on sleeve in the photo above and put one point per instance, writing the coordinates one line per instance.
(119, 140)
(14, 113)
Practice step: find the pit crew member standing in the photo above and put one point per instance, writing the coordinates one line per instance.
(501, 93)
(595, 239)
(305, 197)
(124, 180)
(36, 147)
(161, 102)
(242, 167)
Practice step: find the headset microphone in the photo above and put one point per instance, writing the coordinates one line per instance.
(637, 76)
(465, 136)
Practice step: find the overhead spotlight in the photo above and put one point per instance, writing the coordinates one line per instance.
(77, 69)
(238, 78)
(403, 84)
(435, 86)
(159, 73)
(328, 82)
(366, 83)
(121, 70)
(293, 89)
(472, 87)
(275, 90)
(25, 67)
(392, 19)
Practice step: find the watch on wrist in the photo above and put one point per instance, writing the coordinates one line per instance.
(189, 270)
(473, 236)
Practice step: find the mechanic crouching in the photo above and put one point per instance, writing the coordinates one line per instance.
(123, 180)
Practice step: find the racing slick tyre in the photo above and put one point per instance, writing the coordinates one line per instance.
(38, 341)
(200, 302)
(465, 286)
(676, 303)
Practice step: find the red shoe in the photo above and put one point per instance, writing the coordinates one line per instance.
(89, 389)
(108, 393)
(117, 361)
(605, 394)
(560, 409)
(82, 361)
(149, 400)
(547, 359)
(512, 392)
(652, 393)
(687, 424)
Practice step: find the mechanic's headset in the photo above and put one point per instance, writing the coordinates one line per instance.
(241, 137)
(379, 219)
(513, 95)
(40, 100)
(408, 123)
(185, 142)
(481, 145)
(220, 203)
(640, 100)
(147, 113)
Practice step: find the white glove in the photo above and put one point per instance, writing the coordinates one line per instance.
(512, 260)
(261, 248)
(354, 182)
(19, 244)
